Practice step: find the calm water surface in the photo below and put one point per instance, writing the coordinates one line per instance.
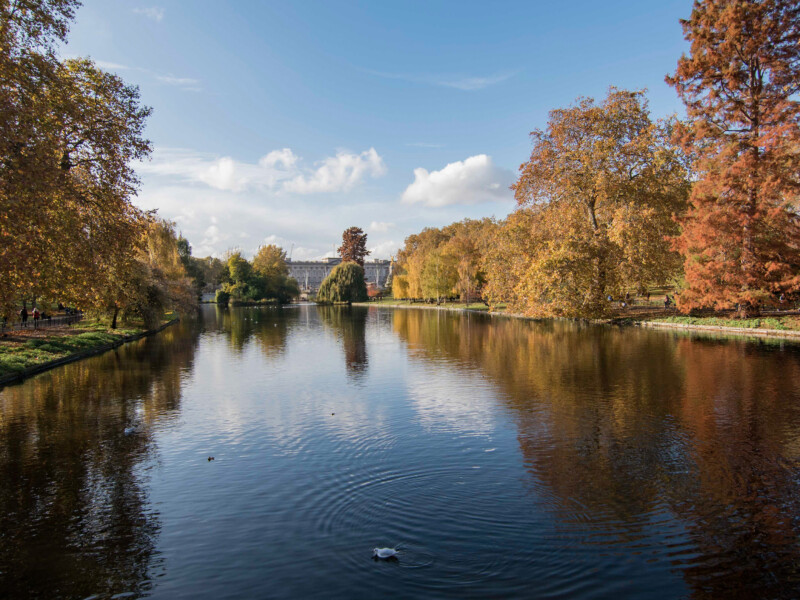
(504, 458)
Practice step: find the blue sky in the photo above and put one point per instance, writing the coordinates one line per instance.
(287, 122)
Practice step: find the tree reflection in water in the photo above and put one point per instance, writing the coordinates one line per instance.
(267, 327)
(349, 323)
(627, 429)
(74, 514)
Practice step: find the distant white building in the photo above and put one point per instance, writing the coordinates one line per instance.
(310, 273)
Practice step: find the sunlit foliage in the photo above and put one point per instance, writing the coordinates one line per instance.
(603, 185)
(740, 84)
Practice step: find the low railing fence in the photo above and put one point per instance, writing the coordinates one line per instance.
(40, 323)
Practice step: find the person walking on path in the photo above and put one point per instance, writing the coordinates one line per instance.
(35, 317)
(23, 315)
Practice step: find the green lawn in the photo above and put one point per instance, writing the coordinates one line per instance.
(23, 350)
(777, 323)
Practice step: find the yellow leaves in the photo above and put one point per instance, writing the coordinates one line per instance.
(270, 261)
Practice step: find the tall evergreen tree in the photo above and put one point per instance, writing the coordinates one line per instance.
(740, 84)
(354, 246)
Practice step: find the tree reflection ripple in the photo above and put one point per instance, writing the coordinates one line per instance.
(505, 458)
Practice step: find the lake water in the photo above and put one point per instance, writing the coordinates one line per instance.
(504, 458)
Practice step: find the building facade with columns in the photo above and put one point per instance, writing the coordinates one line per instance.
(310, 273)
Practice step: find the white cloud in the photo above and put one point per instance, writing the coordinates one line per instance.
(285, 157)
(338, 173)
(473, 83)
(110, 66)
(445, 400)
(383, 249)
(186, 83)
(277, 171)
(464, 83)
(470, 181)
(380, 226)
(154, 13)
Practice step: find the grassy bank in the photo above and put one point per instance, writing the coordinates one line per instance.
(771, 322)
(27, 349)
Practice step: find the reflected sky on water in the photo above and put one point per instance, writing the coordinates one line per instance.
(505, 458)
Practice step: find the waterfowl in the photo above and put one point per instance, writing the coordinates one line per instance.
(384, 553)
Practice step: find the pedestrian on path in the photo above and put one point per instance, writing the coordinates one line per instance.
(23, 315)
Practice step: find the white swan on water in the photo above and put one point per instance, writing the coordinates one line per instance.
(384, 553)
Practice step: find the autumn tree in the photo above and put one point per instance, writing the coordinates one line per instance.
(354, 246)
(439, 274)
(68, 134)
(740, 84)
(270, 261)
(465, 248)
(443, 262)
(603, 184)
(411, 262)
(505, 258)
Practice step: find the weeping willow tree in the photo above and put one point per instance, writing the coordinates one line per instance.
(344, 284)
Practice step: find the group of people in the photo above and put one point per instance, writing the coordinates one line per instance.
(35, 313)
(628, 300)
(39, 315)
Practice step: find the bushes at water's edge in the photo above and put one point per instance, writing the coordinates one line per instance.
(344, 284)
(265, 280)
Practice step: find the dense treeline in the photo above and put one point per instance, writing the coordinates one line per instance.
(612, 201)
(444, 262)
(69, 132)
(265, 278)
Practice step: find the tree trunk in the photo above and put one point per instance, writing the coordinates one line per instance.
(114, 318)
(747, 310)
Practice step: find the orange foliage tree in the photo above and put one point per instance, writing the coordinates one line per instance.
(602, 185)
(740, 84)
(68, 134)
(354, 246)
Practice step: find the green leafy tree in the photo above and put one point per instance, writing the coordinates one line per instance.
(345, 283)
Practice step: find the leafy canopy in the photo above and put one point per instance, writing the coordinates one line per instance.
(740, 84)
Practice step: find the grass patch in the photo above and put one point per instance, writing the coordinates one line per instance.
(21, 350)
(777, 323)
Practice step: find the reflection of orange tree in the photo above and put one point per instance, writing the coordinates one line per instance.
(623, 423)
(349, 323)
(585, 398)
(740, 405)
(74, 515)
